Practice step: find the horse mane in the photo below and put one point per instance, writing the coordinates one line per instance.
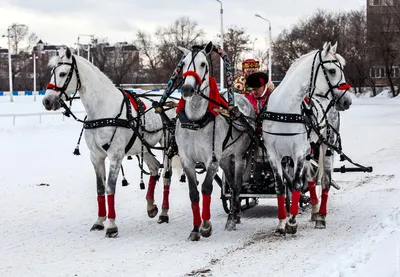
(53, 62)
(302, 57)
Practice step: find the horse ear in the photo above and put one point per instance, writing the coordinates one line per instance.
(333, 49)
(327, 48)
(68, 53)
(208, 48)
(183, 50)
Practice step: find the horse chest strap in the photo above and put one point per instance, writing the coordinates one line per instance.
(195, 125)
(106, 122)
(282, 117)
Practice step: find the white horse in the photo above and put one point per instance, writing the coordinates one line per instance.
(113, 130)
(207, 139)
(319, 73)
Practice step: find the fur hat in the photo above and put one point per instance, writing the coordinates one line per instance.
(257, 79)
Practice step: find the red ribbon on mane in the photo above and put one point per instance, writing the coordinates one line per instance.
(214, 95)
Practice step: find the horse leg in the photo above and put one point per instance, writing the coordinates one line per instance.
(311, 183)
(291, 224)
(313, 199)
(320, 222)
(189, 168)
(167, 182)
(234, 180)
(206, 190)
(280, 193)
(115, 165)
(100, 170)
(153, 166)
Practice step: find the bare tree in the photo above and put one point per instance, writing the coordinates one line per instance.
(236, 43)
(183, 32)
(123, 61)
(99, 53)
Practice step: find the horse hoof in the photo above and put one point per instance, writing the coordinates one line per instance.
(320, 224)
(230, 225)
(183, 178)
(97, 227)
(163, 219)
(206, 229)
(314, 217)
(280, 232)
(194, 236)
(112, 232)
(152, 212)
(291, 227)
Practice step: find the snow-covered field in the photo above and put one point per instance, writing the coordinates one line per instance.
(45, 229)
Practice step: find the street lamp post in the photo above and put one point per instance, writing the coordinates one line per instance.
(269, 47)
(34, 75)
(253, 47)
(222, 47)
(92, 39)
(10, 79)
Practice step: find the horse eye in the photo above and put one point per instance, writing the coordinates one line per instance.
(332, 71)
(63, 74)
(203, 64)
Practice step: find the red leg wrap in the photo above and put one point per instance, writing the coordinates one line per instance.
(196, 214)
(313, 193)
(111, 207)
(165, 202)
(324, 201)
(281, 207)
(101, 204)
(294, 208)
(206, 215)
(151, 187)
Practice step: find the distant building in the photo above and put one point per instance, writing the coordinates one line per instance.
(383, 39)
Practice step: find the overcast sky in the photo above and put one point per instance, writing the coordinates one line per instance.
(61, 21)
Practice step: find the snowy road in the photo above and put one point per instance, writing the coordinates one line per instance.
(45, 229)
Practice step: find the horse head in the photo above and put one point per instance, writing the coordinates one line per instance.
(195, 69)
(330, 79)
(64, 80)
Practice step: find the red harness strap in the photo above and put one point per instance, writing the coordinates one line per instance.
(133, 102)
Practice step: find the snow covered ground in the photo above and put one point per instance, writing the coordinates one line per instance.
(45, 229)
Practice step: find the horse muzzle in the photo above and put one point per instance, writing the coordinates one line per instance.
(51, 103)
(187, 90)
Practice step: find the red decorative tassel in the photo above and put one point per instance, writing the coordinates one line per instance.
(151, 188)
(294, 209)
(313, 193)
(206, 214)
(196, 214)
(111, 207)
(165, 203)
(324, 201)
(101, 204)
(281, 207)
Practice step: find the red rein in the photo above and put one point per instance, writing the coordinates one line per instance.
(193, 74)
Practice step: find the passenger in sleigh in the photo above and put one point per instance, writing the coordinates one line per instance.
(249, 67)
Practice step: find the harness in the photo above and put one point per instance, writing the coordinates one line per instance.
(130, 122)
